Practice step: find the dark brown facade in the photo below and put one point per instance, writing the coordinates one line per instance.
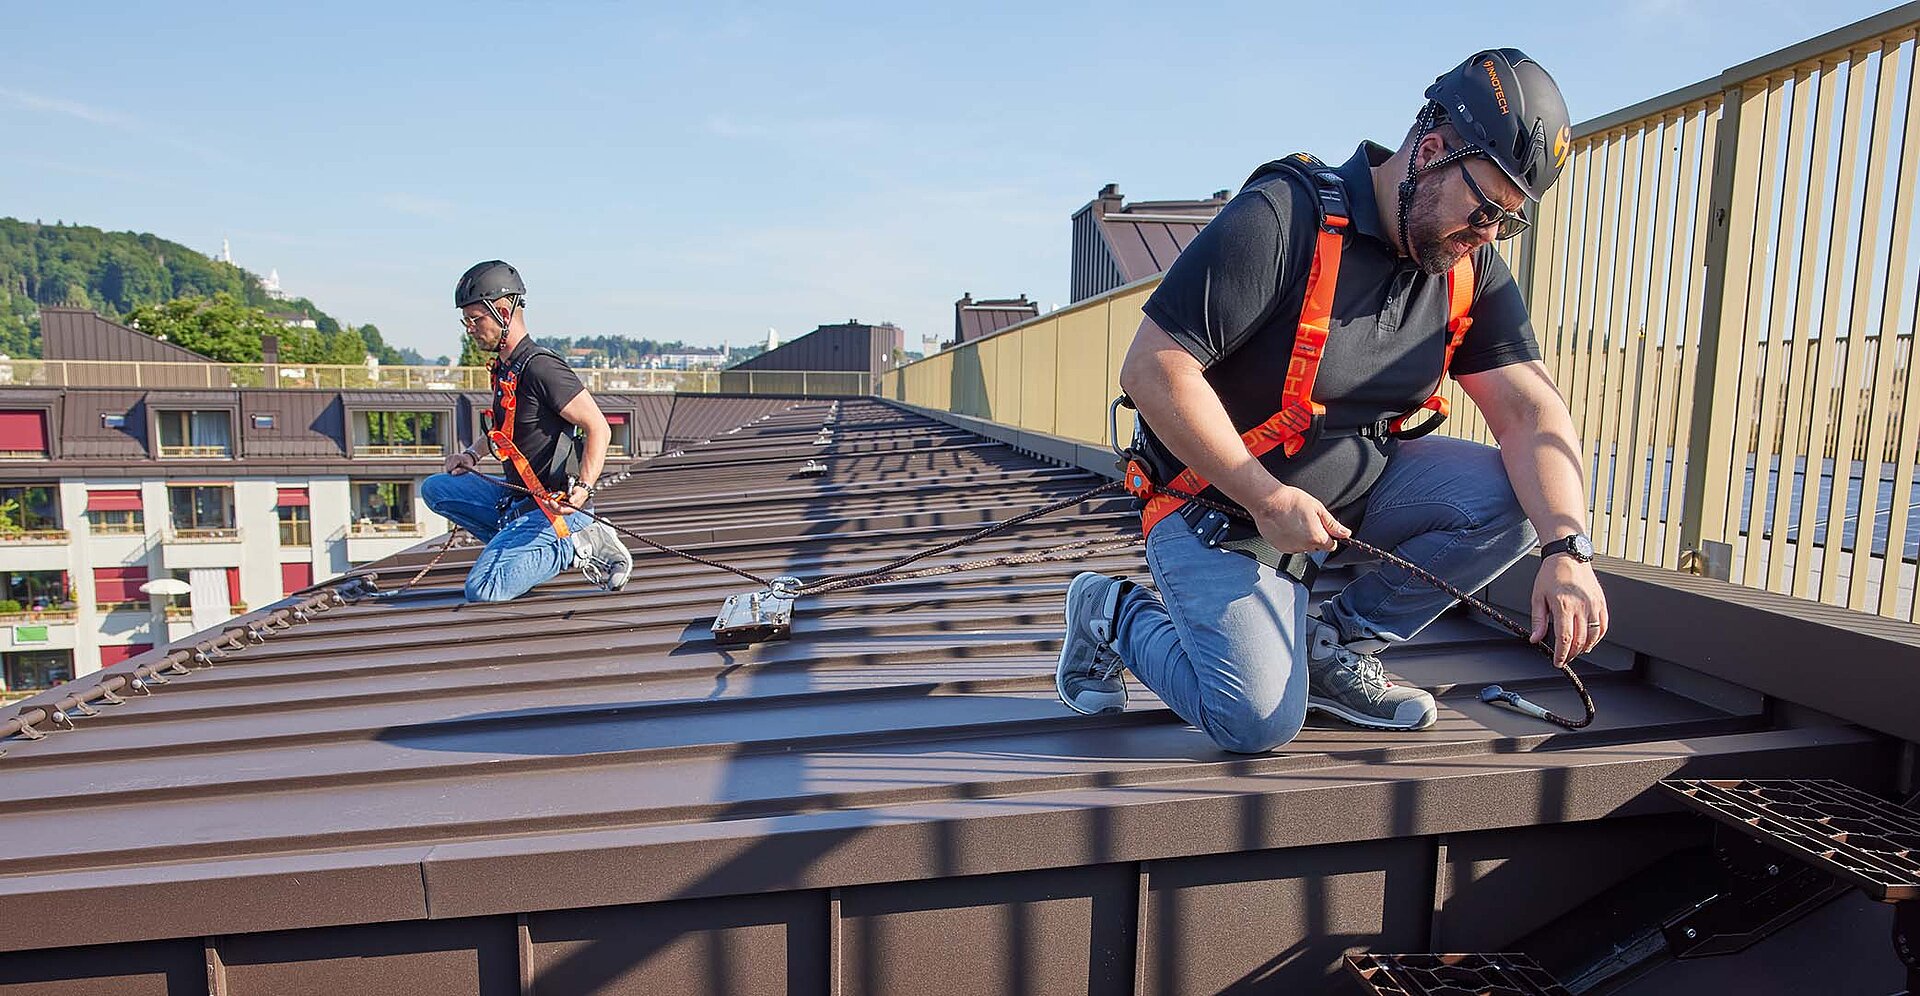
(580, 792)
(1116, 243)
(973, 319)
(852, 346)
(80, 334)
(107, 432)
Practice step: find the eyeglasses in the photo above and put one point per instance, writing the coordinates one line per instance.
(470, 322)
(1508, 223)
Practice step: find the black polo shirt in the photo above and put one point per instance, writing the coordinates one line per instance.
(1233, 298)
(545, 386)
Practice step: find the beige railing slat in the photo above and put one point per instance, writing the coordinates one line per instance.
(1897, 423)
(1683, 337)
(1647, 367)
(1832, 349)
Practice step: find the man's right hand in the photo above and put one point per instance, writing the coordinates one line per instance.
(461, 462)
(1294, 521)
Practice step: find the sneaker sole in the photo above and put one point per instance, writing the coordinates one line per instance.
(1368, 722)
(1060, 668)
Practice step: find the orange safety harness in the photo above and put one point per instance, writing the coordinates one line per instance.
(1299, 422)
(506, 383)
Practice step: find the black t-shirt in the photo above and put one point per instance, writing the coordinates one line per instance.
(1233, 297)
(546, 385)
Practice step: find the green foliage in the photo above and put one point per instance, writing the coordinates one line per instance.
(225, 329)
(114, 273)
(11, 605)
(472, 355)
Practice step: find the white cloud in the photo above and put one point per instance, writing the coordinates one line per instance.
(69, 108)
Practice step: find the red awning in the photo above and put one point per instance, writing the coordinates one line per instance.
(119, 584)
(111, 655)
(23, 432)
(293, 496)
(616, 418)
(295, 576)
(113, 501)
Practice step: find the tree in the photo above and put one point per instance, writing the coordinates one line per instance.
(113, 273)
(377, 345)
(218, 327)
(472, 355)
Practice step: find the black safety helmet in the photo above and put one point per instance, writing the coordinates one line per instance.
(1511, 111)
(485, 283)
(489, 281)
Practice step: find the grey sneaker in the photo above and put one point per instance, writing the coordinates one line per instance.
(601, 556)
(1349, 685)
(1089, 677)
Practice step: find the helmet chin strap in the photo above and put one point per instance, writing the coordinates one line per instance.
(500, 320)
(1422, 126)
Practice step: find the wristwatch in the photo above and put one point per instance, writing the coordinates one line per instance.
(1577, 546)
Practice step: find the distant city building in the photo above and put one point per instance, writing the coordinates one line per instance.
(973, 319)
(852, 346)
(1116, 243)
(240, 495)
(689, 358)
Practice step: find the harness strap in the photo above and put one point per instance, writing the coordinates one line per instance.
(1460, 281)
(505, 390)
(1301, 420)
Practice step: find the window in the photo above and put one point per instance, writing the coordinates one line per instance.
(108, 421)
(117, 511)
(261, 421)
(196, 434)
(23, 435)
(119, 587)
(29, 511)
(35, 593)
(202, 511)
(381, 507)
(296, 526)
(29, 670)
(622, 435)
(294, 577)
(398, 434)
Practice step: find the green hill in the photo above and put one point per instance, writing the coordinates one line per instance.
(112, 273)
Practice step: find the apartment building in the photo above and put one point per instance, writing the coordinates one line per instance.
(129, 518)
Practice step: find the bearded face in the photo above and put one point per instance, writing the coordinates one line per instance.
(1436, 234)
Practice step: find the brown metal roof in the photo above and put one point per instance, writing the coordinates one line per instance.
(893, 800)
(973, 319)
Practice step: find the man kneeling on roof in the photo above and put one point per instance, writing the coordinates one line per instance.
(539, 415)
(1248, 320)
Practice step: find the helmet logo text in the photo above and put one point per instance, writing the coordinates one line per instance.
(1562, 147)
(1499, 91)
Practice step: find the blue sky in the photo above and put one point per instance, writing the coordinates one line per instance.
(704, 174)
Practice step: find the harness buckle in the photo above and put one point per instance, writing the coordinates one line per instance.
(1398, 428)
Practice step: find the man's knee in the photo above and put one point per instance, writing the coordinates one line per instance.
(490, 586)
(1246, 729)
(435, 489)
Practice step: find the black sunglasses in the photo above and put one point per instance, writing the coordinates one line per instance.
(1508, 223)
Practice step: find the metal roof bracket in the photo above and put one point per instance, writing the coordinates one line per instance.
(757, 616)
(812, 468)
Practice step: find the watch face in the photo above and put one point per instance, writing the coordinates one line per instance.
(1582, 547)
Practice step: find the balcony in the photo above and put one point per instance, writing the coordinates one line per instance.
(34, 537)
(384, 530)
(204, 535)
(43, 616)
(195, 452)
(400, 452)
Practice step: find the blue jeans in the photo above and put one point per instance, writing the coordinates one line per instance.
(1223, 644)
(522, 549)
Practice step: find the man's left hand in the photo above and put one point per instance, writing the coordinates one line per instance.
(1567, 594)
(579, 497)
